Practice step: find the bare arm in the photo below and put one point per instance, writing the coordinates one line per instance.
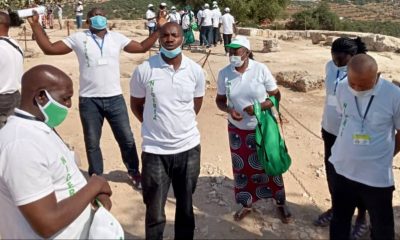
(397, 142)
(48, 48)
(142, 47)
(198, 101)
(221, 101)
(47, 217)
(267, 104)
(137, 107)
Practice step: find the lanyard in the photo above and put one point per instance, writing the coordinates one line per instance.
(338, 80)
(366, 111)
(98, 44)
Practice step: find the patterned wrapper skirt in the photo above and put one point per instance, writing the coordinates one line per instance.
(251, 181)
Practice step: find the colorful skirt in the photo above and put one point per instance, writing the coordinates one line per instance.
(251, 181)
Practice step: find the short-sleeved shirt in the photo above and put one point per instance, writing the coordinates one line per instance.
(35, 162)
(11, 66)
(79, 10)
(242, 90)
(169, 120)
(186, 20)
(151, 14)
(369, 164)
(331, 117)
(199, 16)
(216, 17)
(175, 17)
(227, 23)
(207, 14)
(99, 69)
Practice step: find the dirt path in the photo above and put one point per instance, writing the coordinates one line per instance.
(306, 187)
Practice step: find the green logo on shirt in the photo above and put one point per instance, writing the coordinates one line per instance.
(70, 186)
(153, 98)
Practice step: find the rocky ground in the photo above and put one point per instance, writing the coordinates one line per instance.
(305, 183)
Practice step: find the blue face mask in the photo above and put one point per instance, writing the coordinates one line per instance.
(98, 22)
(171, 53)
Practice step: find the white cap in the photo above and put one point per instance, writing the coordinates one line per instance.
(173, 8)
(150, 5)
(163, 4)
(206, 5)
(215, 6)
(238, 42)
(105, 226)
(215, 3)
(227, 9)
(79, 2)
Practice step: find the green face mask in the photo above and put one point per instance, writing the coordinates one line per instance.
(54, 112)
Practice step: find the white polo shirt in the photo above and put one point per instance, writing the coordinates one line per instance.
(79, 10)
(34, 162)
(11, 67)
(151, 14)
(169, 120)
(242, 90)
(99, 70)
(175, 17)
(207, 15)
(227, 23)
(216, 17)
(331, 117)
(199, 16)
(369, 164)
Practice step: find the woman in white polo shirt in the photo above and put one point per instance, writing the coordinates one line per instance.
(343, 49)
(239, 85)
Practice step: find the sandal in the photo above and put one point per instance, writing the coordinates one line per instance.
(360, 229)
(324, 219)
(241, 213)
(285, 214)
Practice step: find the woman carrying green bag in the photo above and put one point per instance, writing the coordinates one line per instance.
(240, 85)
(187, 26)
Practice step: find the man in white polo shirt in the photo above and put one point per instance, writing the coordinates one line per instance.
(166, 94)
(43, 194)
(363, 152)
(151, 19)
(11, 69)
(100, 95)
(206, 24)
(228, 28)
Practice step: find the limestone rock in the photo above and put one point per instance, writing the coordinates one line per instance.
(271, 45)
(317, 37)
(300, 81)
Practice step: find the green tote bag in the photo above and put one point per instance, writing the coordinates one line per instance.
(271, 148)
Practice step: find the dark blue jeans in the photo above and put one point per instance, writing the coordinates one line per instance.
(92, 112)
(151, 30)
(208, 35)
(79, 22)
(158, 172)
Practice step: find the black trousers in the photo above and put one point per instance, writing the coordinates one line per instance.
(329, 140)
(216, 35)
(227, 40)
(159, 171)
(348, 194)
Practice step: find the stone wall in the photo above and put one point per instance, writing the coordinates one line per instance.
(374, 42)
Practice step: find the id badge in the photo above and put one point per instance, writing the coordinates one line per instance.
(102, 61)
(361, 139)
(332, 100)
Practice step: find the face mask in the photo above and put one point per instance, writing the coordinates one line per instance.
(365, 93)
(342, 69)
(236, 61)
(98, 22)
(54, 112)
(171, 53)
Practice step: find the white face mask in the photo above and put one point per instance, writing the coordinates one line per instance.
(342, 69)
(365, 93)
(236, 61)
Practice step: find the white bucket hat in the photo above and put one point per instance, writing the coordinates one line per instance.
(238, 42)
(150, 5)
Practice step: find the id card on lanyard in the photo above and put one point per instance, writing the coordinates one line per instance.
(102, 61)
(332, 100)
(362, 137)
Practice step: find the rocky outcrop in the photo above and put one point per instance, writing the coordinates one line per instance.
(300, 81)
(271, 45)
